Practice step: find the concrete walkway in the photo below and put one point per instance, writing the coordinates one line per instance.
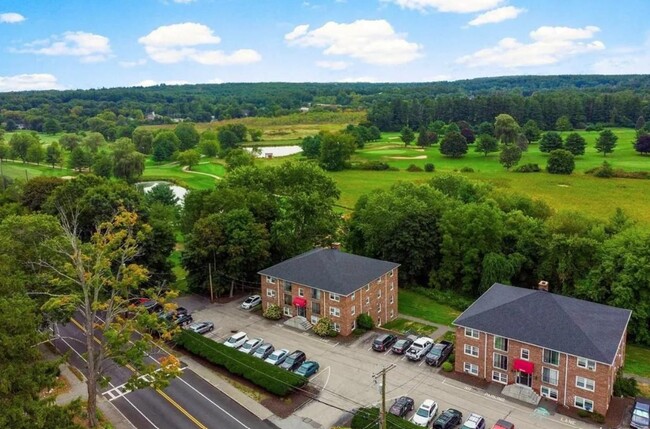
(440, 331)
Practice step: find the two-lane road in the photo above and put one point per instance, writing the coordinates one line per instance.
(188, 402)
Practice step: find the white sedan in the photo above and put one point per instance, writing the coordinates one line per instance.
(251, 302)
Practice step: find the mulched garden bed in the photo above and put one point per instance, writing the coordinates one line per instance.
(466, 378)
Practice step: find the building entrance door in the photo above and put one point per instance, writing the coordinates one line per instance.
(301, 311)
(524, 378)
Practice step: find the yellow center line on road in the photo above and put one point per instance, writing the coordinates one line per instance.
(160, 392)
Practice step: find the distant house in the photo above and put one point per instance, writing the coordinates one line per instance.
(564, 349)
(304, 109)
(151, 116)
(328, 282)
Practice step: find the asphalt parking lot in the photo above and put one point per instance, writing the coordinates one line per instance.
(347, 368)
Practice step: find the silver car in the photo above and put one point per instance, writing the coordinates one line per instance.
(201, 327)
(277, 357)
(251, 302)
(251, 345)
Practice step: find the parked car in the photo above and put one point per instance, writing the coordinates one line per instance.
(383, 342)
(439, 353)
(419, 348)
(236, 340)
(474, 422)
(401, 346)
(184, 319)
(641, 414)
(152, 306)
(201, 327)
(181, 310)
(294, 360)
(449, 419)
(251, 302)
(427, 412)
(502, 424)
(308, 368)
(264, 351)
(277, 357)
(402, 406)
(251, 345)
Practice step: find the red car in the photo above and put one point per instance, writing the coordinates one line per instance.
(502, 424)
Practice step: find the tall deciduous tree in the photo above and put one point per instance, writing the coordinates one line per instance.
(20, 144)
(70, 141)
(164, 145)
(575, 144)
(190, 158)
(506, 128)
(128, 164)
(51, 126)
(94, 141)
(531, 130)
(336, 149)
(311, 146)
(35, 152)
(453, 145)
(427, 137)
(143, 140)
(642, 144)
(187, 135)
(606, 142)
(563, 123)
(510, 156)
(79, 159)
(550, 142)
(407, 135)
(487, 144)
(54, 154)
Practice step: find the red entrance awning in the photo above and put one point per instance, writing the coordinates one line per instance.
(299, 301)
(524, 366)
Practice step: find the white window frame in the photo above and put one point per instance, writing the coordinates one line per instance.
(501, 356)
(354, 324)
(392, 300)
(550, 363)
(286, 310)
(500, 377)
(392, 285)
(548, 392)
(550, 378)
(314, 319)
(270, 279)
(335, 312)
(336, 327)
(367, 287)
(379, 280)
(470, 368)
(335, 297)
(472, 333)
(585, 383)
(354, 294)
(392, 272)
(379, 308)
(586, 364)
(527, 353)
(584, 401)
(270, 293)
(392, 314)
(367, 300)
(379, 294)
(301, 292)
(471, 350)
(353, 310)
(496, 337)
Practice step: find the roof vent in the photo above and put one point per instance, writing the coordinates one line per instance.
(542, 285)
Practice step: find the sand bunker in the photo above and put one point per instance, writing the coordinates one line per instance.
(408, 157)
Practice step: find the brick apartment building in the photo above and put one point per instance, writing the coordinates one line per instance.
(328, 282)
(564, 349)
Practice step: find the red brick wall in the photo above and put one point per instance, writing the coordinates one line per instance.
(374, 299)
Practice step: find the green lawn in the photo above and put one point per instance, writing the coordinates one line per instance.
(413, 304)
(404, 326)
(637, 360)
(18, 170)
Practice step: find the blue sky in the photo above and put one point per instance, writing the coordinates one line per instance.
(93, 43)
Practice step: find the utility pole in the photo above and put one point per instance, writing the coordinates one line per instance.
(382, 413)
(211, 289)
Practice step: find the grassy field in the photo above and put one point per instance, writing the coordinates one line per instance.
(408, 327)
(637, 360)
(416, 305)
(18, 170)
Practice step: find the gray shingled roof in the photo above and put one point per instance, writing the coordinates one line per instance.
(556, 322)
(330, 270)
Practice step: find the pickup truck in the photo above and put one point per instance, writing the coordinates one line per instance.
(420, 348)
(439, 353)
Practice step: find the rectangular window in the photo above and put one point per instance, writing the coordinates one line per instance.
(334, 297)
(379, 321)
(471, 350)
(391, 299)
(585, 383)
(367, 300)
(379, 308)
(315, 293)
(354, 325)
(501, 343)
(287, 311)
(270, 279)
(587, 364)
(392, 314)
(353, 310)
(336, 312)
(315, 308)
(336, 327)
(354, 294)
(367, 287)
(270, 293)
(379, 280)
(548, 392)
(550, 376)
(472, 333)
(314, 319)
(500, 361)
(287, 286)
(500, 377)
(288, 299)
(583, 403)
(392, 272)
(379, 293)
(551, 357)
(525, 354)
(392, 285)
(470, 368)
(300, 292)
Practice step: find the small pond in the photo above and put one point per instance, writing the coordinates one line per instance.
(275, 151)
(179, 191)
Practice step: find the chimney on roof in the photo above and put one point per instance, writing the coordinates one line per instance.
(542, 285)
(336, 246)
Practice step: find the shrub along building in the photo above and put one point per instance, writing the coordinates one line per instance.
(326, 282)
(539, 343)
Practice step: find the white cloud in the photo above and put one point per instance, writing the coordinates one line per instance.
(300, 30)
(88, 46)
(497, 15)
(332, 65)
(184, 1)
(180, 42)
(11, 18)
(549, 46)
(626, 60)
(151, 82)
(373, 42)
(28, 82)
(130, 64)
(455, 6)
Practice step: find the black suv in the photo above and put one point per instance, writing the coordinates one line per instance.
(448, 419)
(383, 342)
(294, 360)
(402, 406)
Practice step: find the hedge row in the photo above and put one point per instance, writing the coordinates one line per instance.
(368, 418)
(269, 377)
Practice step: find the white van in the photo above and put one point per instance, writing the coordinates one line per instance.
(236, 340)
